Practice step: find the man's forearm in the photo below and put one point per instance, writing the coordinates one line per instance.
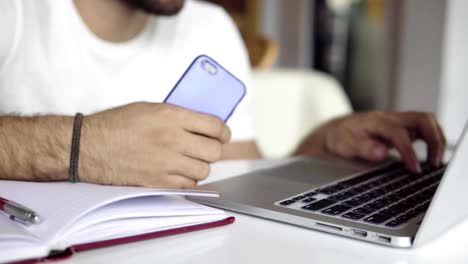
(35, 148)
(313, 145)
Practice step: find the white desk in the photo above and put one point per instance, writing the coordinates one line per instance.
(256, 240)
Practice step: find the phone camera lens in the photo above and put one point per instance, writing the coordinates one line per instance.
(209, 67)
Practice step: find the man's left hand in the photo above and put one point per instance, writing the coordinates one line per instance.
(370, 136)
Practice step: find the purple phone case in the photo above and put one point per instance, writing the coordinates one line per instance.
(199, 90)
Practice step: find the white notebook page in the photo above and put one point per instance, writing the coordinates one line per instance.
(62, 204)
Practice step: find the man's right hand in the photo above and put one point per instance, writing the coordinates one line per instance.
(152, 145)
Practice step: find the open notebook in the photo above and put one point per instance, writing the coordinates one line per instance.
(83, 216)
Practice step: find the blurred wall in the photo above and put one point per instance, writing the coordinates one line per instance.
(432, 68)
(453, 101)
(290, 23)
(420, 55)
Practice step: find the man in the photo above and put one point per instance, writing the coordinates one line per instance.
(97, 57)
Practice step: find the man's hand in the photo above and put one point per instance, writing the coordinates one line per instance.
(140, 144)
(370, 136)
(153, 145)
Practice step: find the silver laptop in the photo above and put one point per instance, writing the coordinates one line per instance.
(384, 204)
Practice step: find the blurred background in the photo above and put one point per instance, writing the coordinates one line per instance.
(383, 54)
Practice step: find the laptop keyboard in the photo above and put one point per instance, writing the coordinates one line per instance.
(389, 196)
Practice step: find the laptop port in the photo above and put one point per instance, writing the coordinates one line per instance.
(359, 233)
(335, 228)
(385, 239)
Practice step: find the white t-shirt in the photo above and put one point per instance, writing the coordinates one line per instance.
(51, 63)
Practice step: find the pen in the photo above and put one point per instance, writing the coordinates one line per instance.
(18, 212)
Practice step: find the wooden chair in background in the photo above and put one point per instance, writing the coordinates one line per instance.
(263, 51)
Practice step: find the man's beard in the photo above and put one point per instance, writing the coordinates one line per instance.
(158, 7)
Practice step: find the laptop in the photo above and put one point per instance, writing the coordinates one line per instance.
(384, 204)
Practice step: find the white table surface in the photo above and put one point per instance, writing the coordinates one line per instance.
(255, 240)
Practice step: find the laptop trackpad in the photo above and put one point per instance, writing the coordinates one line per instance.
(315, 172)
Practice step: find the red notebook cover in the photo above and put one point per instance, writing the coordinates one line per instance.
(105, 243)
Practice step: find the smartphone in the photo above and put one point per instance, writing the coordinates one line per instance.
(208, 88)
